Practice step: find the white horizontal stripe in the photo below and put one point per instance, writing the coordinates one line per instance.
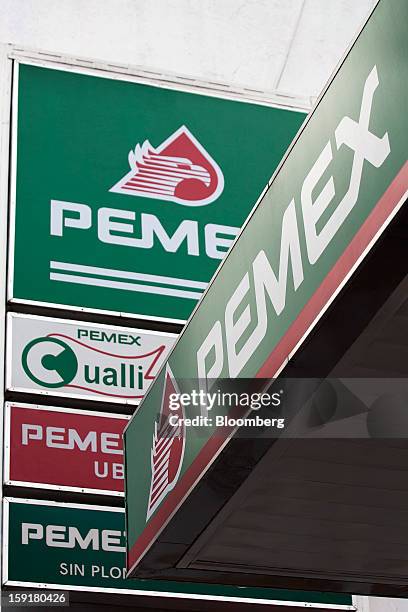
(168, 176)
(169, 161)
(158, 478)
(161, 444)
(158, 491)
(168, 172)
(158, 459)
(147, 164)
(163, 474)
(155, 178)
(162, 468)
(149, 175)
(180, 173)
(168, 441)
(171, 168)
(99, 282)
(160, 472)
(158, 496)
(163, 432)
(153, 189)
(172, 162)
(164, 439)
(138, 276)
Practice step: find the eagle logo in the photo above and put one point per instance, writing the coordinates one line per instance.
(179, 170)
(167, 448)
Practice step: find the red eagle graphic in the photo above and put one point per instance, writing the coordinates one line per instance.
(179, 170)
(167, 449)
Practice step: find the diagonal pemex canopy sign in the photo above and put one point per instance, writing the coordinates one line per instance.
(341, 182)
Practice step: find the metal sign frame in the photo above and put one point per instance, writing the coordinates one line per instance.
(39, 485)
(128, 74)
(5, 106)
(136, 592)
(54, 392)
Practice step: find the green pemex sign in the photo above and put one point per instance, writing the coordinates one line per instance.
(127, 196)
(83, 548)
(341, 182)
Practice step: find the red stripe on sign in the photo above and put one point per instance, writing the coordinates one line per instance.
(337, 274)
(368, 231)
(159, 349)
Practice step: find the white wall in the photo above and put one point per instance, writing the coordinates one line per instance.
(286, 45)
(380, 604)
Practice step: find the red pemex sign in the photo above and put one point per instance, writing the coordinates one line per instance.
(64, 449)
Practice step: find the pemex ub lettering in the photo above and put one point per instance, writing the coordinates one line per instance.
(102, 443)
